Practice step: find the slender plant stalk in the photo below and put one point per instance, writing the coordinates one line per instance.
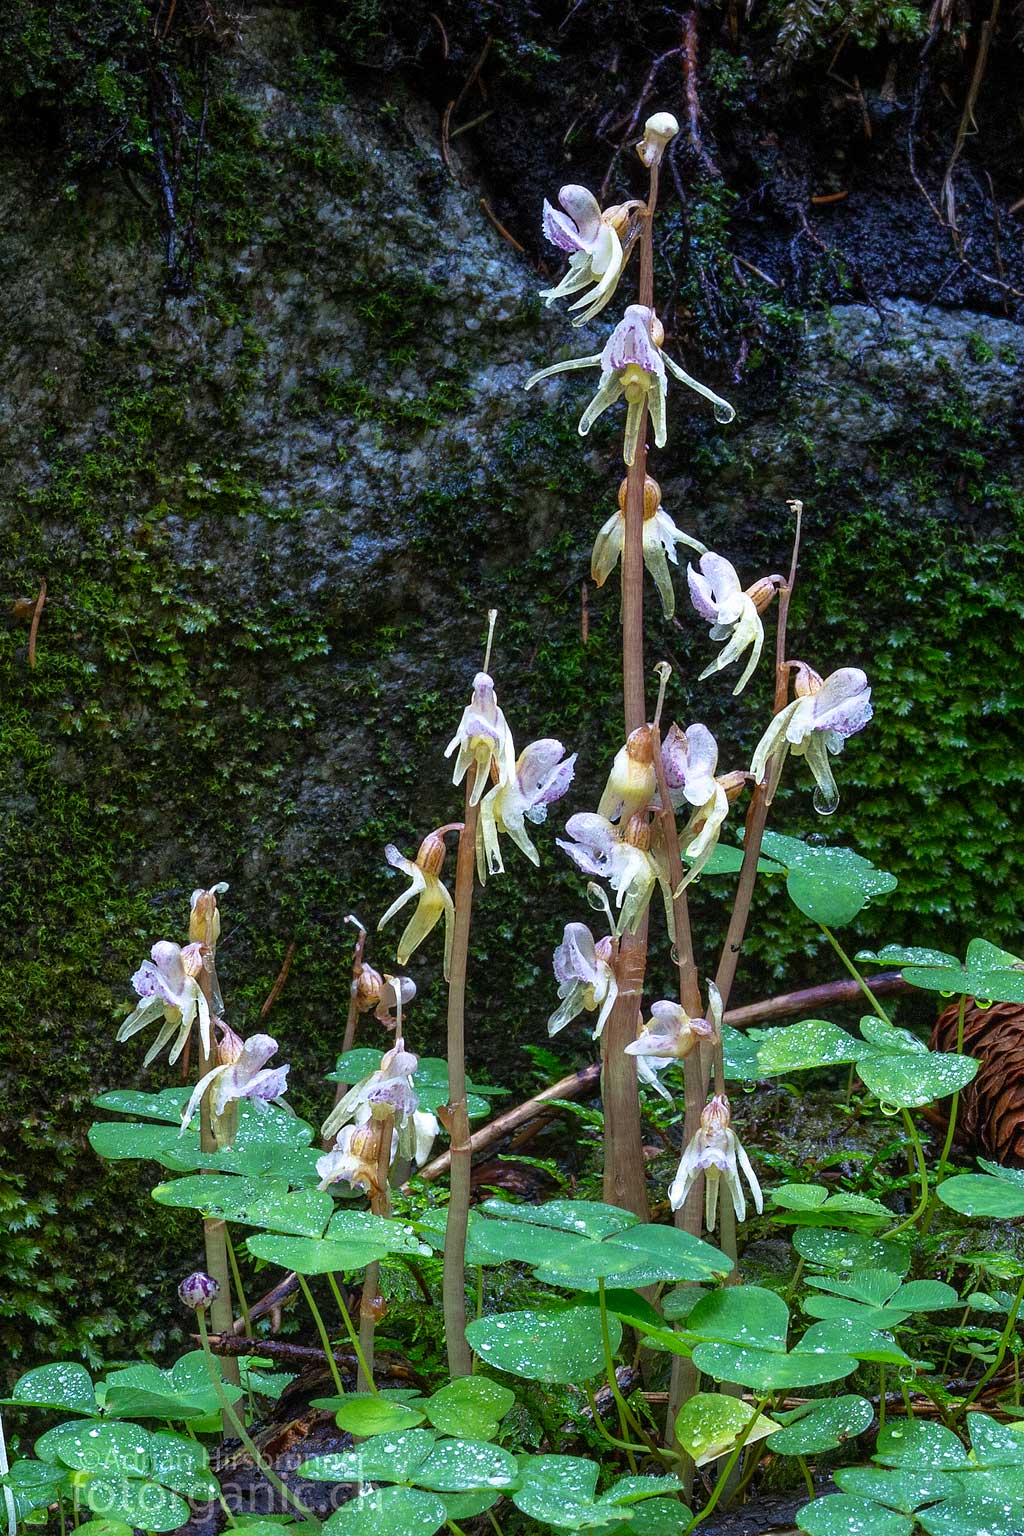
(214, 1229)
(725, 1476)
(757, 814)
(456, 1117)
(875, 1005)
(5, 1467)
(625, 1177)
(352, 1018)
(922, 1169)
(236, 1276)
(365, 1370)
(233, 1419)
(370, 1302)
(325, 1340)
(947, 1145)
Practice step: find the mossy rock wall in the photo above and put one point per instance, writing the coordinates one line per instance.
(271, 513)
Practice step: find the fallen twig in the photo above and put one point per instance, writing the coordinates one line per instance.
(499, 226)
(689, 63)
(278, 987)
(37, 614)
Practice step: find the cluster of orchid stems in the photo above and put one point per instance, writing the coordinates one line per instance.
(630, 846)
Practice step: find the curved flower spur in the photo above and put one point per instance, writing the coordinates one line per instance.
(824, 714)
(633, 365)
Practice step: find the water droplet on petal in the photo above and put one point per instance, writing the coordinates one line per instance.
(825, 804)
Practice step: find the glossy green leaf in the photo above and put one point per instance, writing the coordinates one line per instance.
(168, 1104)
(915, 1443)
(979, 1194)
(849, 1250)
(656, 1517)
(470, 1405)
(828, 885)
(366, 1413)
(559, 1491)
(973, 1517)
(262, 1202)
(766, 1370)
(710, 1423)
(852, 1336)
(561, 1345)
(800, 1047)
(463, 1506)
(101, 1448)
(989, 974)
(822, 1425)
(799, 1197)
(839, 1514)
(117, 1140)
(181, 1463)
(389, 1512)
(741, 1314)
(666, 1253)
(388, 1458)
(316, 1256)
(910, 1081)
(459, 1466)
(137, 1501)
(66, 1386)
(558, 1257)
(898, 1489)
(584, 1218)
(995, 1444)
(184, 1392)
(33, 1484)
(856, 1213)
(363, 1226)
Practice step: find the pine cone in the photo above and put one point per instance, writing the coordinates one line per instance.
(992, 1107)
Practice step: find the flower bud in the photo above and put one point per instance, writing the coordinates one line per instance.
(204, 919)
(808, 682)
(652, 497)
(198, 1290)
(367, 986)
(762, 592)
(638, 832)
(657, 333)
(229, 1046)
(617, 216)
(659, 130)
(733, 783)
(430, 857)
(193, 958)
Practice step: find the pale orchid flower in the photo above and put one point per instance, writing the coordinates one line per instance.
(660, 537)
(245, 1075)
(482, 739)
(384, 994)
(353, 1159)
(388, 1093)
(542, 775)
(585, 972)
(670, 1035)
(717, 1153)
(591, 239)
(620, 856)
(818, 722)
(691, 758)
(168, 990)
(434, 901)
(734, 614)
(632, 364)
(631, 782)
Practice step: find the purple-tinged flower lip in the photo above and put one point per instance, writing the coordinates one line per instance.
(630, 343)
(267, 1086)
(593, 840)
(701, 595)
(576, 959)
(146, 980)
(578, 228)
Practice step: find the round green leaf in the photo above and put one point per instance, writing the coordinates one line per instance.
(463, 1506)
(462, 1466)
(66, 1385)
(315, 1256)
(167, 1105)
(117, 1140)
(559, 1490)
(822, 1425)
(978, 1194)
(656, 1517)
(562, 1345)
(710, 1423)
(363, 1226)
(996, 1444)
(104, 1527)
(915, 1443)
(849, 1250)
(741, 1314)
(584, 1218)
(563, 1258)
(387, 1458)
(470, 1405)
(766, 1370)
(902, 1490)
(666, 1253)
(389, 1512)
(799, 1197)
(799, 1047)
(365, 1414)
(990, 1516)
(137, 1501)
(837, 1514)
(910, 1081)
(145, 1392)
(119, 1449)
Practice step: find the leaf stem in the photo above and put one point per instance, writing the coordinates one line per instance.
(875, 1005)
(353, 1337)
(1004, 1344)
(325, 1340)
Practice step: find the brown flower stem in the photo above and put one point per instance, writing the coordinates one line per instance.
(371, 1304)
(685, 1376)
(218, 1265)
(757, 814)
(625, 1180)
(456, 1115)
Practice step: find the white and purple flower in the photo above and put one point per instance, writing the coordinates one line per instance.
(542, 775)
(691, 758)
(718, 597)
(482, 738)
(168, 990)
(717, 1153)
(660, 537)
(585, 972)
(591, 240)
(633, 365)
(598, 849)
(388, 1092)
(817, 723)
(670, 1035)
(245, 1075)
